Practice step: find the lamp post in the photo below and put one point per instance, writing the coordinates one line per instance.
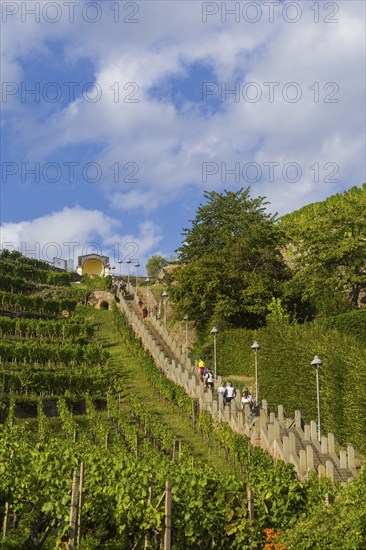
(128, 262)
(120, 267)
(214, 331)
(186, 320)
(165, 296)
(256, 347)
(137, 265)
(147, 280)
(316, 362)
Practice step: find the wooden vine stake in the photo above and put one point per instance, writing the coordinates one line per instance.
(149, 500)
(73, 510)
(173, 454)
(80, 504)
(168, 516)
(6, 519)
(251, 504)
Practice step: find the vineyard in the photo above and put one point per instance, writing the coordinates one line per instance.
(97, 471)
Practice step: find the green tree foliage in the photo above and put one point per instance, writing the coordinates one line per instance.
(154, 265)
(328, 252)
(230, 261)
(97, 283)
(341, 525)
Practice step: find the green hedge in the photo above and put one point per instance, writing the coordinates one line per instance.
(353, 323)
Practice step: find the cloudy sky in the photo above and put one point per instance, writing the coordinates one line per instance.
(118, 115)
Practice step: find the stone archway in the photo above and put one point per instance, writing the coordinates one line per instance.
(100, 299)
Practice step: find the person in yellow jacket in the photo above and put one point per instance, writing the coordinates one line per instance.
(201, 368)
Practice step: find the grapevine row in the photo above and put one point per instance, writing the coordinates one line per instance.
(35, 304)
(10, 272)
(16, 257)
(49, 353)
(41, 381)
(38, 477)
(40, 328)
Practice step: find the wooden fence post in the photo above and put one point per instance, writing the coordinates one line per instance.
(251, 504)
(80, 504)
(168, 517)
(173, 453)
(149, 500)
(73, 510)
(6, 519)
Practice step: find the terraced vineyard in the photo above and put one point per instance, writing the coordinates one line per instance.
(99, 450)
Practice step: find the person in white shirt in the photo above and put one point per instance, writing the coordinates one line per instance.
(247, 399)
(209, 379)
(221, 389)
(230, 393)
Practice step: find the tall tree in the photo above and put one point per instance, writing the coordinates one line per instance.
(230, 263)
(328, 243)
(154, 265)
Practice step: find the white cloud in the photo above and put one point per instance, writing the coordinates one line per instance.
(75, 231)
(169, 144)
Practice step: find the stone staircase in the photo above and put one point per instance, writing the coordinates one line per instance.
(288, 439)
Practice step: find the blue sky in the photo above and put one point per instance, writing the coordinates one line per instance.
(138, 107)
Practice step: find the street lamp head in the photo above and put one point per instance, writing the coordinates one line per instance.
(128, 261)
(119, 261)
(256, 346)
(147, 280)
(185, 318)
(165, 294)
(316, 361)
(214, 330)
(137, 264)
